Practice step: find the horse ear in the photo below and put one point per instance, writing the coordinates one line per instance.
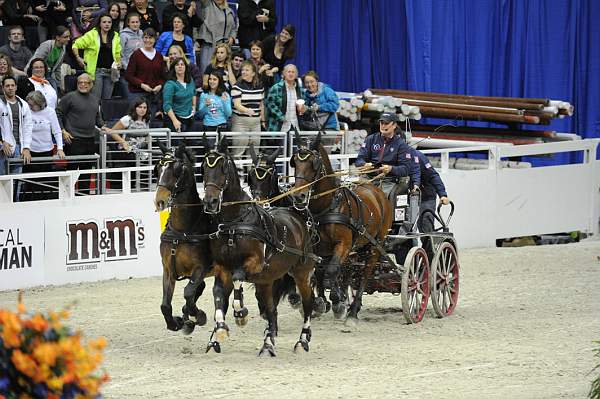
(180, 150)
(163, 148)
(274, 155)
(317, 142)
(296, 135)
(253, 154)
(223, 147)
(206, 143)
(191, 155)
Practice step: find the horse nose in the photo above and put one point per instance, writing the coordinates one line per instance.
(301, 197)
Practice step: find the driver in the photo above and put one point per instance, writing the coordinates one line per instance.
(388, 151)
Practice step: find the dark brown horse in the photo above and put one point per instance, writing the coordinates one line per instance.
(184, 247)
(348, 220)
(253, 245)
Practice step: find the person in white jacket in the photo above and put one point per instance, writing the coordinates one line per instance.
(15, 124)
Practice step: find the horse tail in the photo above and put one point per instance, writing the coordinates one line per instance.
(283, 287)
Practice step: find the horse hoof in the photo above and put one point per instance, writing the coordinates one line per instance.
(339, 310)
(351, 322)
(221, 334)
(267, 349)
(200, 318)
(214, 345)
(176, 325)
(301, 347)
(188, 327)
(319, 307)
(294, 300)
(241, 321)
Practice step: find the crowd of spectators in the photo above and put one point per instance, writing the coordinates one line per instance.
(197, 65)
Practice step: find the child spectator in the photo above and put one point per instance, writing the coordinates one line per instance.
(215, 104)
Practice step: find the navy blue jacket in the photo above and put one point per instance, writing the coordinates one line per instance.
(431, 182)
(395, 153)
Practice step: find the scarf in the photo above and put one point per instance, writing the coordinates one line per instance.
(39, 80)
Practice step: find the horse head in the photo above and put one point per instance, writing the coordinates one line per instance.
(262, 177)
(308, 167)
(174, 173)
(218, 170)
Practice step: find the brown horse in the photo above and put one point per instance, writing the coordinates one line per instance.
(184, 247)
(348, 220)
(253, 245)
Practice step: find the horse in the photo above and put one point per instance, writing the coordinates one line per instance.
(256, 246)
(263, 182)
(184, 247)
(348, 220)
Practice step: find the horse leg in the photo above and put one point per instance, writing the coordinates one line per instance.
(264, 294)
(305, 288)
(220, 331)
(240, 312)
(321, 304)
(191, 293)
(357, 302)
(173, 324)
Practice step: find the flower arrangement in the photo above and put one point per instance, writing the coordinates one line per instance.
(40, 357)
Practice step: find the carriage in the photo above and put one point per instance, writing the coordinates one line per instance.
(236, 238)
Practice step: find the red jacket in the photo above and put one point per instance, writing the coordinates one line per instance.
(142, 70)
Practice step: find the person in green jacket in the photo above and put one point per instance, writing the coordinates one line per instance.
(101, 56)
(179, 97)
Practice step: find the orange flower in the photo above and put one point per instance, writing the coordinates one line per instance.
(11, 329)
(46, 353)
(24, 363)
(37, 323)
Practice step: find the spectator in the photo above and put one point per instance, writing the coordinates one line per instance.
(131, 39)
(36, 80)
(79, 115)
(265, 71)
(148, 16)
(16, 127)
(215, 104)
(321, 102)
(281, 102)
(6, 68)
(138, 118)
(53, 53)
(190, 18)
(18, 12)
(280, 48)
(257, 21)
(16, 50)
(237, 58)
(85, 13)
(53, 14)
(123, 11)
(146, 71)
(45, 129)
(221, 63)
(115, 14)
(248, 109)
(179, 97)
(219, 26)
(176, 37)
(175, 51)
(101, 56)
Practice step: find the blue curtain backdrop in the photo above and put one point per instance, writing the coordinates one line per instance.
(520, 48)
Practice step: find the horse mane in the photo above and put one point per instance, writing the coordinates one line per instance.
(325, 159)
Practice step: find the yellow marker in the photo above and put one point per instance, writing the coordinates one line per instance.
(164, 216)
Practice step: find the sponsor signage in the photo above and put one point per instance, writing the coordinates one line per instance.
(21, 250)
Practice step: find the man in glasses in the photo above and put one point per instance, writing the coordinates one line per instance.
(16, 50)
(388, 152)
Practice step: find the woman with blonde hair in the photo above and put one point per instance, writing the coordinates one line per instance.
(248, 110)
(220, 63)
(220, 26)
(175, 52)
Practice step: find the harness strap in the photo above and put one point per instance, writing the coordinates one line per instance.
(175, 238)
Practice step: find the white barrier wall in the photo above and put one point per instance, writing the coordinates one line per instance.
(84, 239)
(101, 237)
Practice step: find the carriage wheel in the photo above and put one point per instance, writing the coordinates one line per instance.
(415, 285)
(444, 280)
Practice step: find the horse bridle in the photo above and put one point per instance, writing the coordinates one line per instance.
(261, 173)
(212, 165)
(178, 187)
(317, 166)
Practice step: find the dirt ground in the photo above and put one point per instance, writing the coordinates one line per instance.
(523, 328)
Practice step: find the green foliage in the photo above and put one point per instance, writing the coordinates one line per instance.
(595, 389)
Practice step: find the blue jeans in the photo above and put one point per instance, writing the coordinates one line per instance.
(103, 85)
(15, 169)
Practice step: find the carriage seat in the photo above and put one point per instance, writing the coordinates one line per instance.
(405, 206)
